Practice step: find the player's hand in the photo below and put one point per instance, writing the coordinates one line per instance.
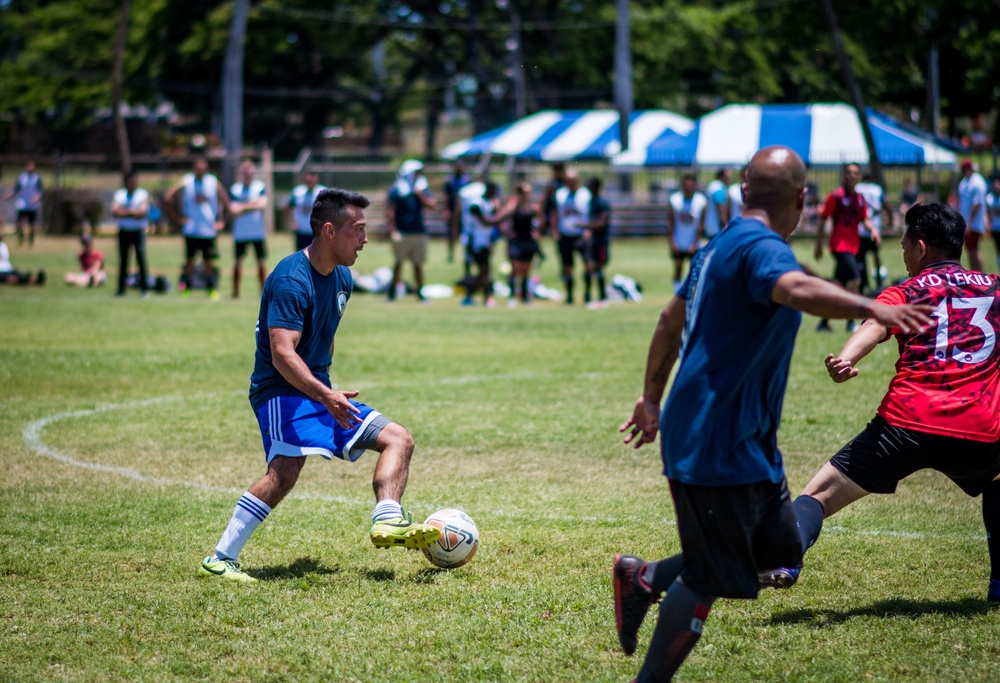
(908, 319)
(220, 226)
(877, 236)
(840, 370)
(642, 427)
(344, 412)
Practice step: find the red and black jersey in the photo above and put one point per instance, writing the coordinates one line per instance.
(948, 376)
(848, 210)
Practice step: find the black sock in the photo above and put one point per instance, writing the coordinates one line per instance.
(991, 517)
(809, 513)
(659, 575)
(682, 614)
(568, 279)
(586, 286)
(601, 289)
(524, 288)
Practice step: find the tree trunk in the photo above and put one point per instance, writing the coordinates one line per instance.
(853, 90)
(117, 68)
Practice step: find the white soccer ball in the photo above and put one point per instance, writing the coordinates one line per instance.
(459, 539)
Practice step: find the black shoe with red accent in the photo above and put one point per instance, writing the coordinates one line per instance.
(632, 599)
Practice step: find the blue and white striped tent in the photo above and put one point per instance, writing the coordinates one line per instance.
(565, 135)
(822, 134)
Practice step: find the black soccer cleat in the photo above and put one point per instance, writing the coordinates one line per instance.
(632, 599)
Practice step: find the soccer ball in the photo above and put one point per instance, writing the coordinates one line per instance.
(459, 539)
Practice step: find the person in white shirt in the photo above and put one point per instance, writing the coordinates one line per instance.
(300, 206)
(736, 195)
(28, 191)
(131, 207)
(203, 203)
(248, 201)
(870, 241)
(993, 215)
(971, 204)
(10, 275)
(717, 207)
(569, 219)
(685, 223)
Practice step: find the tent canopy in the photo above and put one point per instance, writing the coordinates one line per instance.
(565, 135)
(822, 134)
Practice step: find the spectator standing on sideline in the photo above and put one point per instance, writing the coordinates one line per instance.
(685, 223)
(91, 264)
(598, 240)
(869, 241)
(993, 216)
(300, 205)
(736, 315)
(523, 235)
(557, 180)
(453, 209)
(736, 195)
(203, 203)
(717, 206)
(248, 203)
(408, 197)
(468, 196)
(847, 211)
(908, 196)
(298, 412)
(484, 219)
(11, 276)
(28, 204)
(131, 207)
(572, 208)
(972, 205)
(940, 411)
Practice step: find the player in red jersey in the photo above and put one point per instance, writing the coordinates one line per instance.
(847, 210)
(941, 409)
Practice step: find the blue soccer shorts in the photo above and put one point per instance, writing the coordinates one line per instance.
(294, 426)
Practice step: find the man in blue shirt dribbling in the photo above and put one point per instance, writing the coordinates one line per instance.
(298, 412)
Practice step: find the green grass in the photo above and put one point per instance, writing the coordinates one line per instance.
(515, 416)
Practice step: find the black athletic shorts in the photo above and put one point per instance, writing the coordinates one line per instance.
(30, 215)
(847, 269)
(567, 247)
(597, 252)
(522, 250)
(203, 245)
(882, 455)
(730, 533)
(259, 248)
(481, 257)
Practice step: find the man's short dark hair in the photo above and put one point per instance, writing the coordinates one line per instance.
(595, 183)
(689, 176)
(332, 206)
(130, 174)
(941, 227)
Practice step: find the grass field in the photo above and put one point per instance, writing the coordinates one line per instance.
(126, 438)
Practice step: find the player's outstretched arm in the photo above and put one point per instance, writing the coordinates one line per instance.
(642, 427)
(294, 369)
(844, 367)
(818, 297)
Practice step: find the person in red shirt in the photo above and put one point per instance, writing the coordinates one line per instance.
(941, 409)
(847, 210)
(92, 262)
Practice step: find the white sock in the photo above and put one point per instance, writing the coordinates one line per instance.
(249, 513)
(387, 509)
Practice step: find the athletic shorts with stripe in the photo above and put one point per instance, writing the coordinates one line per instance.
(294, 426)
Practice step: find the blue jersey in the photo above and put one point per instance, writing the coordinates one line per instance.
(297, 297)
(720, 421)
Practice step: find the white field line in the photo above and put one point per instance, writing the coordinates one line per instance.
(32, 435)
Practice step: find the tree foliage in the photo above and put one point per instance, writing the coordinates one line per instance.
(310, 65)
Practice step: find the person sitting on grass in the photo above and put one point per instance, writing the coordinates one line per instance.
(11, 276)
(91, 263)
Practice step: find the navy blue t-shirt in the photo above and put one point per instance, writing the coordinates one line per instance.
(297, 297)
(598, 206)
(720, 421)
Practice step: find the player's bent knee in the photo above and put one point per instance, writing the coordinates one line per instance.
(395, 435)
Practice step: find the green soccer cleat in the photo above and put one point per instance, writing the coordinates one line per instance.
(225, 569)
(403, 532)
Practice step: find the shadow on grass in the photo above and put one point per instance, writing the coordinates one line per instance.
(423, 576)
(300, 568)
(895, 608)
